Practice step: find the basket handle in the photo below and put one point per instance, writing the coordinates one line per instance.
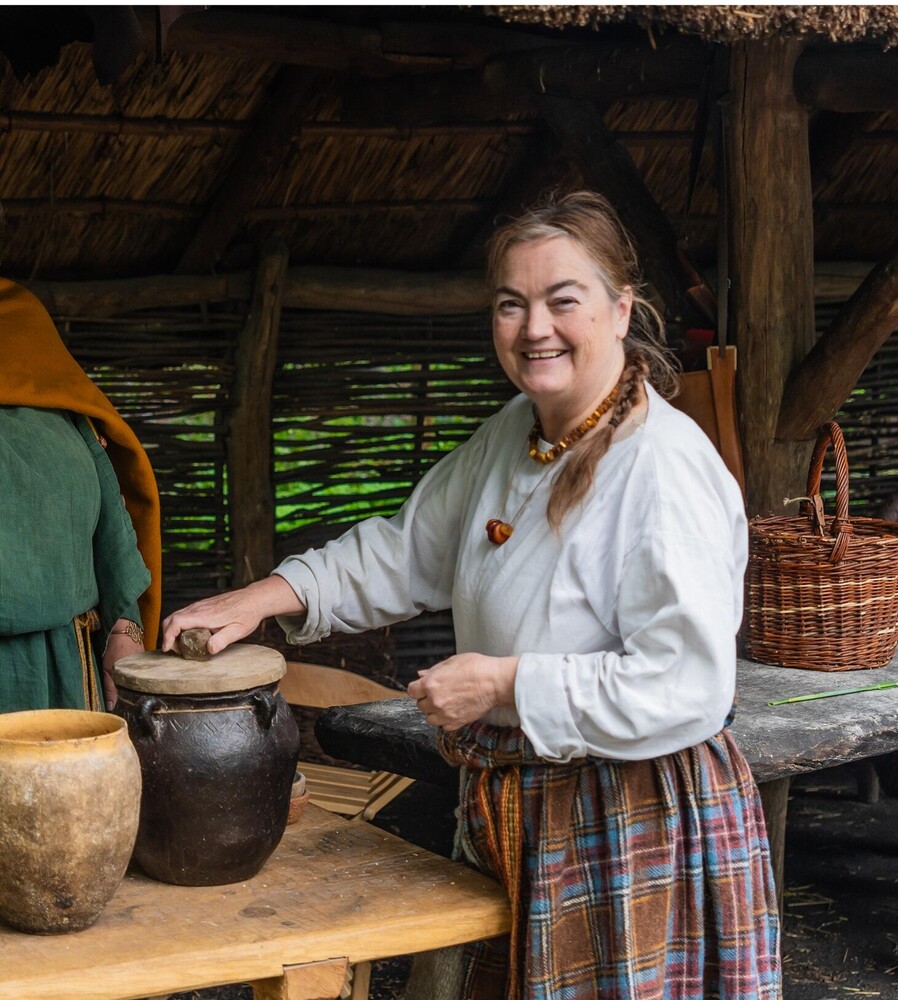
(841, 528)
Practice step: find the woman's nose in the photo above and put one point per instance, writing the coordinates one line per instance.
(537, 322)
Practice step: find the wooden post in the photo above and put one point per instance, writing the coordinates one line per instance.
(771, 258)
(775, 802)
(250, 486)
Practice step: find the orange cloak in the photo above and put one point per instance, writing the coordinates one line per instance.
(37, 370)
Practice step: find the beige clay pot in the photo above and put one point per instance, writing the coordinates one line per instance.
(69, 809)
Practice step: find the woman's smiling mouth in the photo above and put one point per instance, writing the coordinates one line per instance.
(542, 355)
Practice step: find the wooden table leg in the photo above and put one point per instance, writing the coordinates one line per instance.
(361, 981)
(775, 800)
(314, 981)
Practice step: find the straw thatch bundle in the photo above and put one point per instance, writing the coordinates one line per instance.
(836, 23)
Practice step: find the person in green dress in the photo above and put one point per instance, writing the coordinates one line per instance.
(71, 571)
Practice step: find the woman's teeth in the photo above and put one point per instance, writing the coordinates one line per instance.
(537, 355)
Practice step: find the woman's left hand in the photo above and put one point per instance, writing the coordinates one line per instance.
(463, 688)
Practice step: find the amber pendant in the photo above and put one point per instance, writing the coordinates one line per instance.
(498, 532)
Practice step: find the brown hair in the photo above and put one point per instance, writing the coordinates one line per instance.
(590, 220)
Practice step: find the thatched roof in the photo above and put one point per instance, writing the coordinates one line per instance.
(398, 152)
(726, 24)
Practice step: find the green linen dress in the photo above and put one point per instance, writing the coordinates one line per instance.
(67, 547)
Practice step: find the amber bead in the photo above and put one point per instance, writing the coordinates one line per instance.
(498, 532)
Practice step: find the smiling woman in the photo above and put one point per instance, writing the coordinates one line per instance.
(595, 622)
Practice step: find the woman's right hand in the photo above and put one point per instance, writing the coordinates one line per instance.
(234, 615)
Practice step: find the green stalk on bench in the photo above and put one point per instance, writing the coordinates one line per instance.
(834, 694)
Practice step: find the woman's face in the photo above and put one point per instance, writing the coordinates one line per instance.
(557, 332)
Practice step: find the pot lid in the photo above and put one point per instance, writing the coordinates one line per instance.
(237, 668)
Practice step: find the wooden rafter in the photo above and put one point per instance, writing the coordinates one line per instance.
(261, 154)
(509, 83)
(606, 167)
(394, 46)
(843, 79)
(825, 378)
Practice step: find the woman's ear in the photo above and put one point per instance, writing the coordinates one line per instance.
(623, 307)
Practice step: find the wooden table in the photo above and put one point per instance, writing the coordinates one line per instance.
(334, 893)
(777, 742)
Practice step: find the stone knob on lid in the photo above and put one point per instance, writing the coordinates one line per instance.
(238, 668)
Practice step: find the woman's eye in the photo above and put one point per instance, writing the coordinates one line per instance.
(507, 305)
(563, 303)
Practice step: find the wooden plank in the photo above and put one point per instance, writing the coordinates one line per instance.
(825, 378)
(332, 889)
(312, 981)
(771, 258)
(250, 488)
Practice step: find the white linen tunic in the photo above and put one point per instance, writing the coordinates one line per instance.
(624, 621)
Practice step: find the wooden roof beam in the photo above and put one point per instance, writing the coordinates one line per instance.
(509, 83)
(824, 379)
(355, 289)
(844, 79)
(359, 290)
(606, 167)
(260, 155)
(393, 46)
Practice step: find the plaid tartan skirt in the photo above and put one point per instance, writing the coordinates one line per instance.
(628, 880)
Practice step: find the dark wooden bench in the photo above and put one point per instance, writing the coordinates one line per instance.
(778, 742)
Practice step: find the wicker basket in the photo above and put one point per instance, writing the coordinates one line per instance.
(822, 591)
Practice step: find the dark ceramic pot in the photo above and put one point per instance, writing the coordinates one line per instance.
(218, 771)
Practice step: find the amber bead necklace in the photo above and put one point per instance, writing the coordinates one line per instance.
(564, 443)
(499, 531)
